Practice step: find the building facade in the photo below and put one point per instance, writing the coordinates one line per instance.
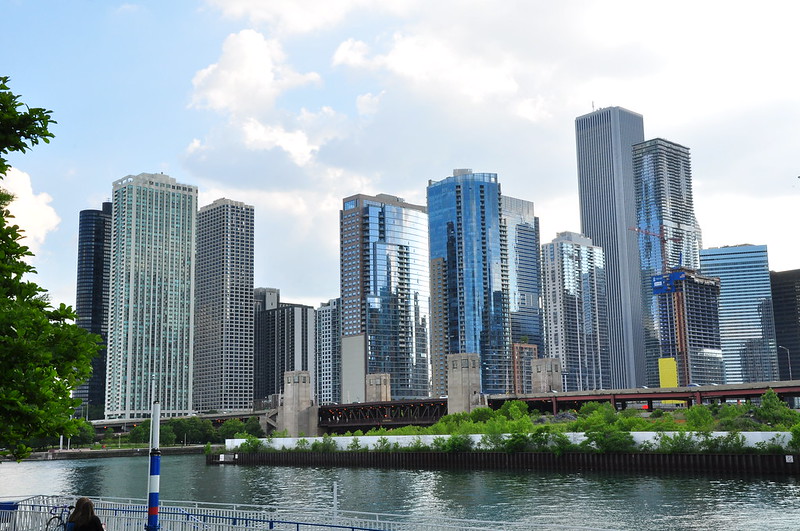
(688, 305)
(385, 295)
(575, 307)
(284, 342)
(786, 310)
(667, 229)
(329, 352)
(223, 335)
(608, 209)
(524, 272)
(469, 264)
(151, 299)
(91, 301)
(746, 322)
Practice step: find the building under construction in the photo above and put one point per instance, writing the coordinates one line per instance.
(689, 326)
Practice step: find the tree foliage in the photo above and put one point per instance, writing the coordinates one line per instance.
(45, 355)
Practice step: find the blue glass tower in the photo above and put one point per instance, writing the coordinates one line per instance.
(469, 267)
(746, 322)
(668, 233)
(384, 295)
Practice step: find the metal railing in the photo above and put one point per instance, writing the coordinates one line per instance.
(120, 514)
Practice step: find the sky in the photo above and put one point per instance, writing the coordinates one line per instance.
(292, 105)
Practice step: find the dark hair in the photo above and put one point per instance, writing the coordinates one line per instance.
(83, 512)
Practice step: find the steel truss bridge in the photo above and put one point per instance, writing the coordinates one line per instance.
(349, 417)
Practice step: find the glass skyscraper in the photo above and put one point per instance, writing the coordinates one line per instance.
(223, 335)
(91, 302)
(608, 210)
(575, 307)
(151, 301)
(385, 296)
(786, 308)
(469, 271)
(668, 233)
(747, 326)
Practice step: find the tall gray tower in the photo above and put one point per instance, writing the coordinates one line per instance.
(608, 209)
(223, 336)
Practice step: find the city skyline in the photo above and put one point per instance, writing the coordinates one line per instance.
(247, 108)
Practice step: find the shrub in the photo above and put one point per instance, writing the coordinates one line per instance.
(656, 413)
(730, 443)
(678, 443)
(775, 412)
(302, 445)
(250, 445)
(383, 445)
(774, 446)
(417, 445)
(609, 440)
(355, 446)
(516, 442)
(699, 418)
(327, 444)
(454, 443)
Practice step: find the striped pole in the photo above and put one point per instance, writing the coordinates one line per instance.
(155, 470)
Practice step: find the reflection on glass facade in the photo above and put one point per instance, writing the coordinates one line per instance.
(470, 266)
(608, 210)
(747, 327)
(91, 301)
(786, 307)
(575, 308)
(666, 225)
(688, 306)
(151, 301)
(385, 293)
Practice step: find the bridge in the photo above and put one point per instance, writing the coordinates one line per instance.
(341, 418)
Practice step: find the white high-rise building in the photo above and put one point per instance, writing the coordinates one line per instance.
(575, 308)
(151, 302)
(329, 352)
(223, 336)
(608, 210)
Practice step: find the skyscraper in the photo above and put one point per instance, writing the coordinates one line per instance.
(469, 272)
(329, 352)
(608, 209)
(284, 341)
(575, 307)
(747, 326)
(668, 233)
(91, 302)
(384, 295)
(223, 335)
(151, 301)
(786, 309)
(524, 271)
(688, 305)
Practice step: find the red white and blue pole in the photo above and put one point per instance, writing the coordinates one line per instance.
(153, 482)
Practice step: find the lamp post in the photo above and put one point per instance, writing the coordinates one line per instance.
(788, 360)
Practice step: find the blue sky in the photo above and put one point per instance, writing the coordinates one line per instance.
(293, 105)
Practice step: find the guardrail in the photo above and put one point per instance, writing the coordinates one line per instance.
(128, 514)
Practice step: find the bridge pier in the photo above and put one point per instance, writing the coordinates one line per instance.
(297, 413)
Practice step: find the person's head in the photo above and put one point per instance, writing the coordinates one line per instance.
(83, 512)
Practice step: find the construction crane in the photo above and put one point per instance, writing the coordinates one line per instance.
(663, 239)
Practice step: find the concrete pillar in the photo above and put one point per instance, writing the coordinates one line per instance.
(297, 413)
(546, 375)
(378, 387)
(463, 382)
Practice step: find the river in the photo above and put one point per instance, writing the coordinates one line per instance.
(574, 500)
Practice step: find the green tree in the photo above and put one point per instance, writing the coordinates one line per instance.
(699, 418)
(140, 433)
(85, 433)
(45, 355)
(253, 427)
(230, 428)
(775, 412)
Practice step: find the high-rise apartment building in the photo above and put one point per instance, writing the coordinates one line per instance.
(384, 295)
(786, 309)
(91, 301)
(223, 335)
(524, 271)
(746, 323)
(329, 352)
(284, 341)
(151, 301)
(668, 233)
(688, 305)
(608, 210)
(470, 275)
(575, 307)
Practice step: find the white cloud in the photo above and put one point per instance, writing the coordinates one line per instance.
(352, 53)
(250, 74)
(31, 211)
(295, 143)
(367, 104)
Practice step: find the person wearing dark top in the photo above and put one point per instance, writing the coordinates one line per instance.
(83, 517)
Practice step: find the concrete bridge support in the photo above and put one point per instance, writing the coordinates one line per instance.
(297, 413)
